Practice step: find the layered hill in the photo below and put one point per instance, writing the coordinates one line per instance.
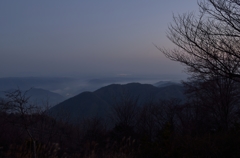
(39, 97)
(100, 102)
(166, 83)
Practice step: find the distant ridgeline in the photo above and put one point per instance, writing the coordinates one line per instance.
(38, 97)
(100, 102)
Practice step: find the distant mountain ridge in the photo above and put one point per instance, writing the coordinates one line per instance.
(166, 83)
(39, 97)
(100, 102)
(53, 84)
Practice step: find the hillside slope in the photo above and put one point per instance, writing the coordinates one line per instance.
(99, 103)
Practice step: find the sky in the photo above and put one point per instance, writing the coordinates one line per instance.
(87, 37)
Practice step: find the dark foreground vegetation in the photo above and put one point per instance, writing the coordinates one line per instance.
(207, 125)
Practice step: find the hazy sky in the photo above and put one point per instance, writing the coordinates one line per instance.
(87, 37)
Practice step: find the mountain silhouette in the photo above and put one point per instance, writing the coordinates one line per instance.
(39, 97)
(165, 83)
(100, 102)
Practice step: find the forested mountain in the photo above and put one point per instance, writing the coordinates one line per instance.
(166, 83)
(100, 102)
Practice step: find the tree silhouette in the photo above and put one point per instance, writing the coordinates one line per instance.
(208, 44)
(216, 99)
(17, 102)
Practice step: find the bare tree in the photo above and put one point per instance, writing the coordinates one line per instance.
(208, 44)
(17, 103)
(218, 99)
(124, 110)
(124, 115)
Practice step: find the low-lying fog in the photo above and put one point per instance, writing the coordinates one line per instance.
(69, 87)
